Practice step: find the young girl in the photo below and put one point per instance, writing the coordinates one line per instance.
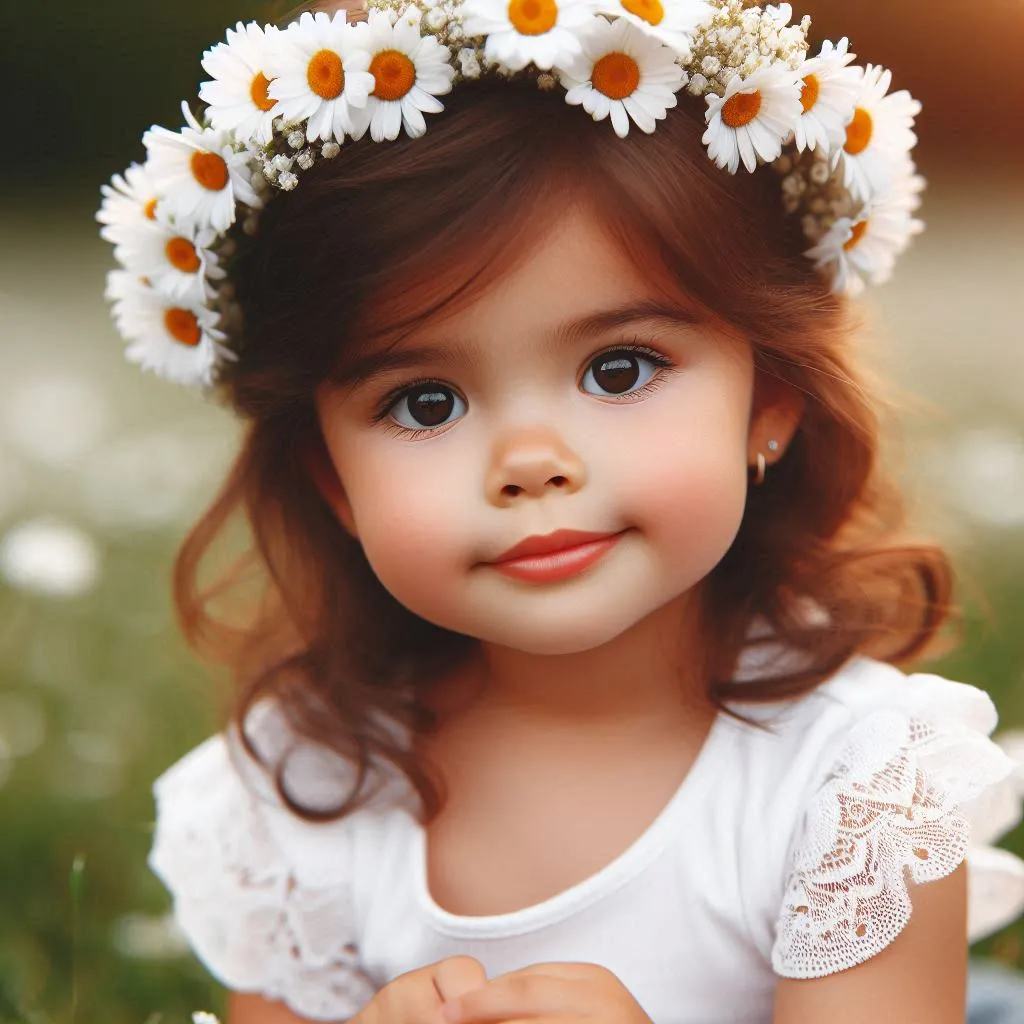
(566, 643)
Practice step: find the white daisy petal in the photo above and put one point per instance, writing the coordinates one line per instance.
(753, 118)
(621, 63)
(521, 32)
(237, 96)
(407, 73)
(880, 135)
(828, 96)
(127, 202)
(672, 22)
(178, 263)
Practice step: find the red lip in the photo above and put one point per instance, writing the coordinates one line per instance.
(557, 541)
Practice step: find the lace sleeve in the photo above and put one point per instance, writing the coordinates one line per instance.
(890, 806)
(257, 923)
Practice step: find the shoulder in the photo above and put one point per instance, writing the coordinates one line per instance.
(880, 772)
(272, 903)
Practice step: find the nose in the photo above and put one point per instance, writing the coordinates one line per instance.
(532, 463)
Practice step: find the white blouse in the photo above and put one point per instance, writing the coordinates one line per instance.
(782, 853)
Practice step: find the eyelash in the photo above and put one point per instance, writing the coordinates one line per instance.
(388, 402)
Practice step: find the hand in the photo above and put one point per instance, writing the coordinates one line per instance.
(416, 996)
(548, 993)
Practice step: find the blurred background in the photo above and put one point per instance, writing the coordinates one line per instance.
(102, 468)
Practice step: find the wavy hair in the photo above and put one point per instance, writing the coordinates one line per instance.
(394, 233)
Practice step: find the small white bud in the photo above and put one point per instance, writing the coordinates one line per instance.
(710, 65)
(297, 140)
(698, 83)
(288, 181)
(305, 159)
(330, 150)
(436, 18)
(282, 162)
(820, 172)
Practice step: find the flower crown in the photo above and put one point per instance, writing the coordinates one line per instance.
(279, 100)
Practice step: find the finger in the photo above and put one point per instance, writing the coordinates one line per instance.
(458, 975)
(539, 991)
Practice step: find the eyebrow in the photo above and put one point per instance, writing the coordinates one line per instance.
(364, 368)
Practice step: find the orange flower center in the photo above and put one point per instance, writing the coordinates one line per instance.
(616, 75)
(533, 17)
(741, 109)
(258, 92)
(393, 73)
(859, 132)
(809, 93)
(183, 326)
(858, 233)
(326, 75)
(182, 255)
(150, 209)
(650, 10)
(209, 170)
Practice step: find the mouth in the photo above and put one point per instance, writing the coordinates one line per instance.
(555, 556)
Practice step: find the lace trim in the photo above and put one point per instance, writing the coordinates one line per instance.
(256, 928)
(888, 809)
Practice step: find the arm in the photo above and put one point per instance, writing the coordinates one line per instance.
(921, 978)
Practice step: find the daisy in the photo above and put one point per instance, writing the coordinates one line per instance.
(828, 94)
(753, 118)
(199, 175)
(127, 202)
(866, 246)
(879, 136)
(178, 341)
(622, 73)
(177, 263)
(321, 73)
(237, 99)
(409, 71)
(672, 22)
(520, 32)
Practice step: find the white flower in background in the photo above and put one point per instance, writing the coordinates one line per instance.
(521, 32)
(238, 99)
(177, 341)
(867, 246)
(127, 202)
(409, 72)
(880, 136)
(828, 95)
(753, 118)
(321, 73)
(198, 174)
(672, 22)
(179, 263)
(49, 557)
(623, 74)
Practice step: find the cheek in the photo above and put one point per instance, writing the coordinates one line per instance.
(412, 530)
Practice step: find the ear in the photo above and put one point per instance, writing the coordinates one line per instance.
(320, 468)
(775, 417)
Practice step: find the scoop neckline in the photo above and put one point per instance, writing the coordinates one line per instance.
(603, 882)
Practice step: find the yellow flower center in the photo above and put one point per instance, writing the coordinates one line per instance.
(809, 93)
(741, 109)
(326, 75)
(150, 209)
(393, 73)
(183, 326)
(209, 170)
(650, 10)
(859, 132)
(182, 255)
(616, 75)
(533, 17)
(858, 233)
(258, 92)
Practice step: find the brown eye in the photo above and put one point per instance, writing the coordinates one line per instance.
(426, 406)
(618, 372)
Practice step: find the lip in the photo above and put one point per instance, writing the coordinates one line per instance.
(556, 556)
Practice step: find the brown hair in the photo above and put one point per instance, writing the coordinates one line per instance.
(371, 228)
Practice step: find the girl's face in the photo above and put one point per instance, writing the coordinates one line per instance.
(568, 397)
